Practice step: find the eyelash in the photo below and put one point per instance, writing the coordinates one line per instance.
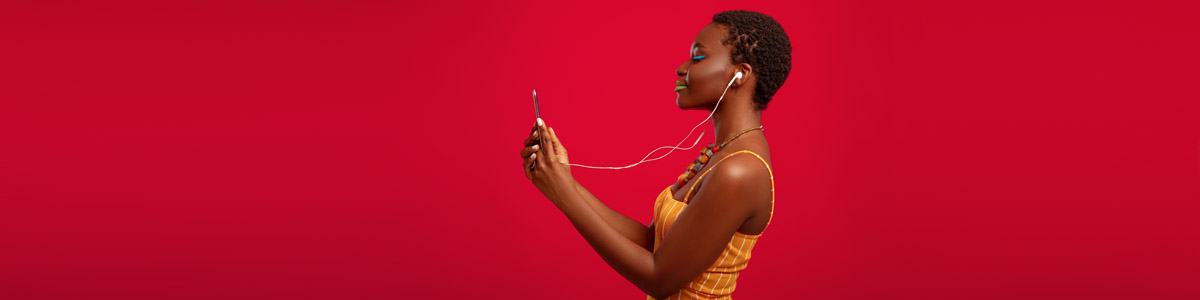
(697, 58)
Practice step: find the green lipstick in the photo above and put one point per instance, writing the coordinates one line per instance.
(679, 85)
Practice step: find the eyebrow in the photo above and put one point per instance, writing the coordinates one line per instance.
(698, 45)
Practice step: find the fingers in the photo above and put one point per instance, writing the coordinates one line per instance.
(543, 140)
(525, 152)
(529, 159)
(532, 138)
(529, 155)
(528, 163)
(541, 143)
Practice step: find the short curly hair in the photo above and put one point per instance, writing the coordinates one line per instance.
(757, 39)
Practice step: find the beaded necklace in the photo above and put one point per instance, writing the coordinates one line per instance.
(707, 153)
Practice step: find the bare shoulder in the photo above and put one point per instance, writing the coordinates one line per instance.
(744, 178)
(747, 189)
(748, 160)
(743, 170)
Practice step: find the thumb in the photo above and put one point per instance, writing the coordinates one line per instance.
(558, 147)
(554, 139)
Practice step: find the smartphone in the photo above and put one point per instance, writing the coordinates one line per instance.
(536, 113)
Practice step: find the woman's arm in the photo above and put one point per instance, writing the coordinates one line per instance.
(633, 230)
(697, 238)
(643, 235)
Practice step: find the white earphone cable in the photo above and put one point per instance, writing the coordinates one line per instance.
(673, 148)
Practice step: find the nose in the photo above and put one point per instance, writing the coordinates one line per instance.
(681, 70)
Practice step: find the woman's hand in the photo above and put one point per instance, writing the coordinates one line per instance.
(545, 162)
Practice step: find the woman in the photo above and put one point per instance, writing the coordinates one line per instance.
(706, 223)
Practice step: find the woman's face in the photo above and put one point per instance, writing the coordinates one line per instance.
(704, 75)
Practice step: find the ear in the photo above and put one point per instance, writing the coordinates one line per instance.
(747, 73)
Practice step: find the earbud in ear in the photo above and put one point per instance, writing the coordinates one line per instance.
(738, 75)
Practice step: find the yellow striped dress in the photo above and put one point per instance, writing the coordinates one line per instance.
(719, 280)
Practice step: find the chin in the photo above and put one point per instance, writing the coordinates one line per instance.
(685, 104)
(682, 102)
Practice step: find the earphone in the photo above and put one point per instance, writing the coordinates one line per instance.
(676, 147)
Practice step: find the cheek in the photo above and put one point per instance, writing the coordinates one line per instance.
(707, 79)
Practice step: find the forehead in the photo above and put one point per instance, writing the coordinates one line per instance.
(709, 38)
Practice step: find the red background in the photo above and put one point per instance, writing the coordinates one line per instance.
(368, 149)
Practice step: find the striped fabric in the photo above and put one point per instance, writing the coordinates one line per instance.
(720, 279)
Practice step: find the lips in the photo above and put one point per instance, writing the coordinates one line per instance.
(679, 85)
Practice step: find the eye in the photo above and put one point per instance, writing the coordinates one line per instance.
(696, 59)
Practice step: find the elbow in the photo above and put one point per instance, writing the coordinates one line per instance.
(660, 291)
(660, 295)
(660, 286)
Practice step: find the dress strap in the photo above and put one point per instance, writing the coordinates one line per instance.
(764, 161)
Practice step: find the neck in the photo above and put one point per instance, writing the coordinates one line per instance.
(732, 120)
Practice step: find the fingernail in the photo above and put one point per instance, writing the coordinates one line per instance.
(535, 147)
(541, 123)
(533, 155)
